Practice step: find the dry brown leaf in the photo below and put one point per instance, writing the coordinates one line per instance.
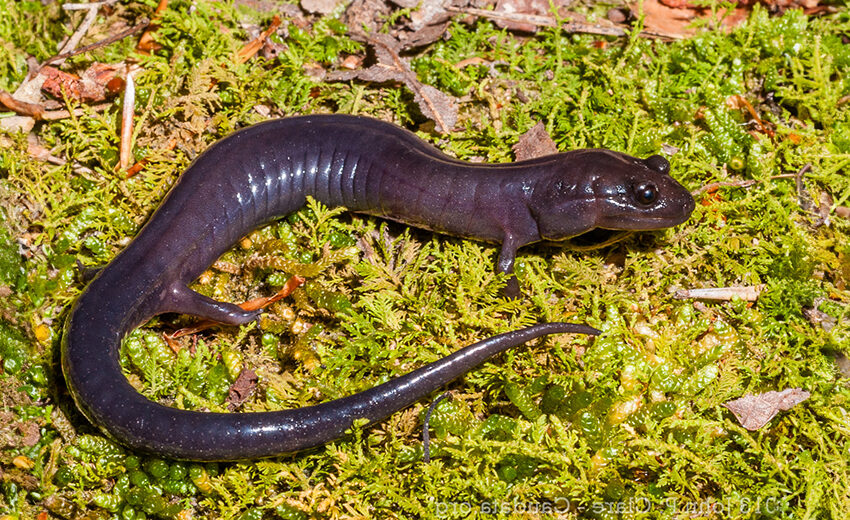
(426, 12)
(676, 16)
(97, 82)
(534, 143)
(435, 105)
(818, 318)
(755, 410)
(676, 20)
(425, 24)
(241, 389)
(427, 34)
(146, 44)
(366, 16)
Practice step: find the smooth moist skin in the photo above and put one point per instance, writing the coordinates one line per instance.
(367, 166)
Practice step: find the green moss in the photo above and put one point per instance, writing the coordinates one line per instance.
(14, 350)
(11, 266)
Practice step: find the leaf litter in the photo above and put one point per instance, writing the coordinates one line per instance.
(753, 411)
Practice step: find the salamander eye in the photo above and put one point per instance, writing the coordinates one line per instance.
(646, 193)
(658, 164)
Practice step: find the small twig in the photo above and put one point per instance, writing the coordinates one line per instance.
(748, 294)
(724, 184)
(737, 184)
(82, 29)
(251, 48)
(37, 111)
(803, 197)
(412, 81)
(741, 101)
(136, 168)
(102, 43)
(426, 436)
(88, 5)
(22, 108)
(569, 27)
(127, 114)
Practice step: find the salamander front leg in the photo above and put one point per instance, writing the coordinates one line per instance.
(186, 301)
(506, 265)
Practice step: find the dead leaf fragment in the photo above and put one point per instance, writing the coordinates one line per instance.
(97, 82)
(435, 105)
(320, 6)
(426, 22)
(534, 143)
(351, 62)
(755, 410)
(366, 16)
(661, 16)
(533, 7)
(15, 433)
(427, 34)
(241, 389)
(146, 43)
(427, 12)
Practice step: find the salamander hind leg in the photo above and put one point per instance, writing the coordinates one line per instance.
(183, 300)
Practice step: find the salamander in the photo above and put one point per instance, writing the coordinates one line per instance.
(365, 165)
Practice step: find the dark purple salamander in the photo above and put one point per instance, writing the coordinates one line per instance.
(368, 166)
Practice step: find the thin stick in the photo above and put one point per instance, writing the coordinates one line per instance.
(126, 151)
(83, 28)
(748, 294)
(738, 184)
(548, 21)
(22, 108)
(37, 111)
(89, 5)
(102, 43)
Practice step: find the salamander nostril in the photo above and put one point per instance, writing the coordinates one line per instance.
(658, 163)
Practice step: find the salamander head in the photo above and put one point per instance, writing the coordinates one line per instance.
(639, 194)
(611, 190)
